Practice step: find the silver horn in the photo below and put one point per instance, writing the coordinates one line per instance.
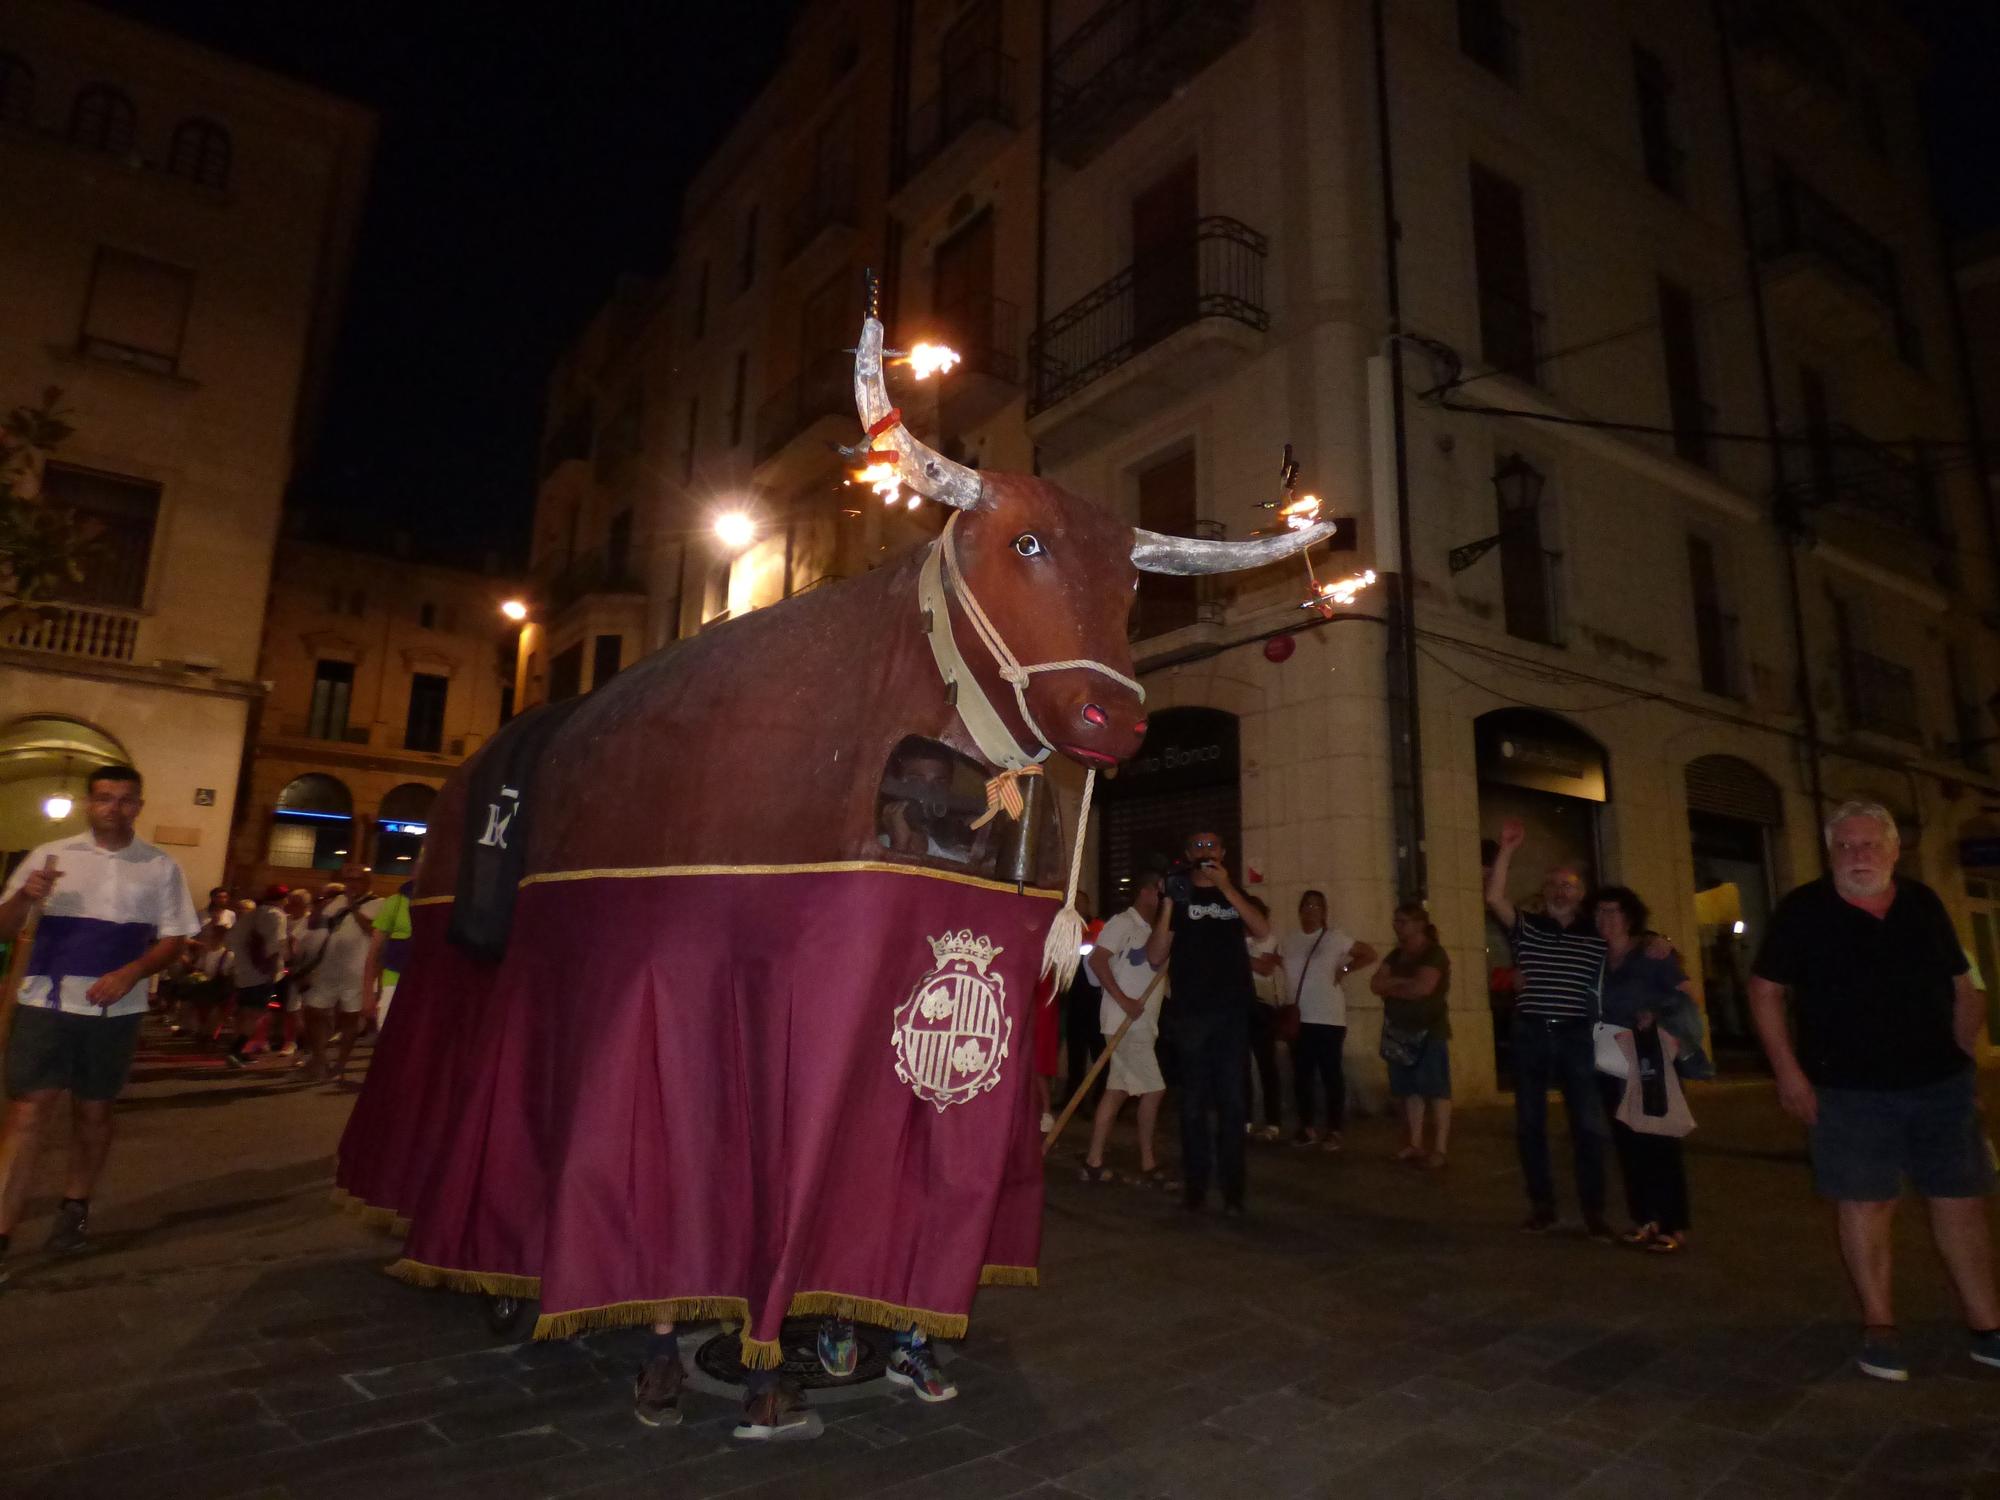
(929, 473)
(1185, 555)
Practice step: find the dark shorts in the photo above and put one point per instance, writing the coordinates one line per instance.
(1868, 1140)
(1429, 1077)
(88, 1056)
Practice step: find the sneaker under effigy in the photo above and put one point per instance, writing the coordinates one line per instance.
(916, 1367)
(656, 1394)
(839, 1352)
(778, 1415)
(68, 1237)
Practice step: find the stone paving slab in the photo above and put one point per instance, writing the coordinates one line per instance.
(1367, 1330)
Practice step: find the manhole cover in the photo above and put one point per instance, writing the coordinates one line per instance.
(721, 1357)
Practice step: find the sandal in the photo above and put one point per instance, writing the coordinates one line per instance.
(1641, 1238)
(1434, 1162)
(1409, 1153)
(1088, 1173)
(1665, 1244)
(1157, 1178)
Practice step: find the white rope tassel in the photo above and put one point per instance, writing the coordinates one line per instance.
(1064, 949)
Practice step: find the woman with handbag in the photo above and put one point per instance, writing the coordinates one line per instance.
(1646, 1011)
(1315, 959)
(1415, 985)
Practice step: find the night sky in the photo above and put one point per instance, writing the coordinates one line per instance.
(524, 162)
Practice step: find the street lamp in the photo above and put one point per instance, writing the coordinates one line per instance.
(514, 609)
(1518, 483)
(735, 530)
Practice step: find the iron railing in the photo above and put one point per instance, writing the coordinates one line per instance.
(1881, 695)
(1835, 465)
(1127, 57)
(1218, 272)
(978, 89)
(825, 388)
(72, 630)
(1798, 221)
(828, 203)
(592, 572)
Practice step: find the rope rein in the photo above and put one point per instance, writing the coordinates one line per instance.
(1062, 951)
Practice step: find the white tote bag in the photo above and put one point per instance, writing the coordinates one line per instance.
(1612, 1059)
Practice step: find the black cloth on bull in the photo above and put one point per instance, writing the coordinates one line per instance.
(499, 807)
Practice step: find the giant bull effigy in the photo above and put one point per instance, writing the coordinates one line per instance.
(684, 1034)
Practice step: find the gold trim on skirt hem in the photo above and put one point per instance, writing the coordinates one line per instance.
(758, 1354)
(386, 1219)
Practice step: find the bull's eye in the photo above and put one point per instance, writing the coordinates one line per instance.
(1028, 544)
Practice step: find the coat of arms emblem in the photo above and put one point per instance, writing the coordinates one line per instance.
(952, 1032)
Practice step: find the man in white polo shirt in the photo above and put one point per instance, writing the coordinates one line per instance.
(114, 912)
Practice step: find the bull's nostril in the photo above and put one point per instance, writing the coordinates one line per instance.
(1094, 716)
(1140, 727)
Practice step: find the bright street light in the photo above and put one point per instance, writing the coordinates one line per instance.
(735, 529)
(514, 609)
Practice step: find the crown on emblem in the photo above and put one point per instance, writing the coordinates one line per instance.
(977, 951)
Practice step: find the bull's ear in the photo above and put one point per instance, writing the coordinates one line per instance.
(923, 469)
(1154, 553)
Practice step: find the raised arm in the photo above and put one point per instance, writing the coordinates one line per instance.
(1161, 943)
(1512, 836)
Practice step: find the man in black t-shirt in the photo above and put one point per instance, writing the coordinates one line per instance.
(1882, 1073)
(1199, 935)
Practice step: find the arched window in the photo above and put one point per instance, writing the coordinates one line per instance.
(17, 90)
(312, 827)
(44, 759)
(400, 827)
(200, 152)
(102, 120)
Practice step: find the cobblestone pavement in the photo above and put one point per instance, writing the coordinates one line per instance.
(1366, 1330)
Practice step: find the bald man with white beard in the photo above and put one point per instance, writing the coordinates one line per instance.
(1882, 1075)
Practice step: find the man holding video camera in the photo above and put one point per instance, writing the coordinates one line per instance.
(1199, 934)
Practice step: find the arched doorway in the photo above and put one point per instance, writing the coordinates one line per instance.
(312, 826)
(44, 759)
(1542, 769)
(1185, 777)
(1734, 812)
(400, 827)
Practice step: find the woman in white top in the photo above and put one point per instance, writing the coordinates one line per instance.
(1316, 958)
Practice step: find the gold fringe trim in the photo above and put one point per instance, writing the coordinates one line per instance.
(432, 900)
(374, 1217)
(836, 867)
(758, 1354)
(483, 1283)
(1010, 1276)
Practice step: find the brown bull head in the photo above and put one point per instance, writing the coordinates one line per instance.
(1055, 576)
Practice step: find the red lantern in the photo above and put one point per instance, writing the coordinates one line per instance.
(1280, 648)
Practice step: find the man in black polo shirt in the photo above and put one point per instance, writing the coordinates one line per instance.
(1560, 959)
(1882, 1072)
(1199, 935)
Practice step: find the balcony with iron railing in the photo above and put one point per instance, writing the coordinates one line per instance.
(596, 571)
(1881, 696)
(81, 632)
(1127, 58)
(1216, 274)
(821, 393)
(974, 102)
(824, 212)
(1829, 274)
(1836, 467)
